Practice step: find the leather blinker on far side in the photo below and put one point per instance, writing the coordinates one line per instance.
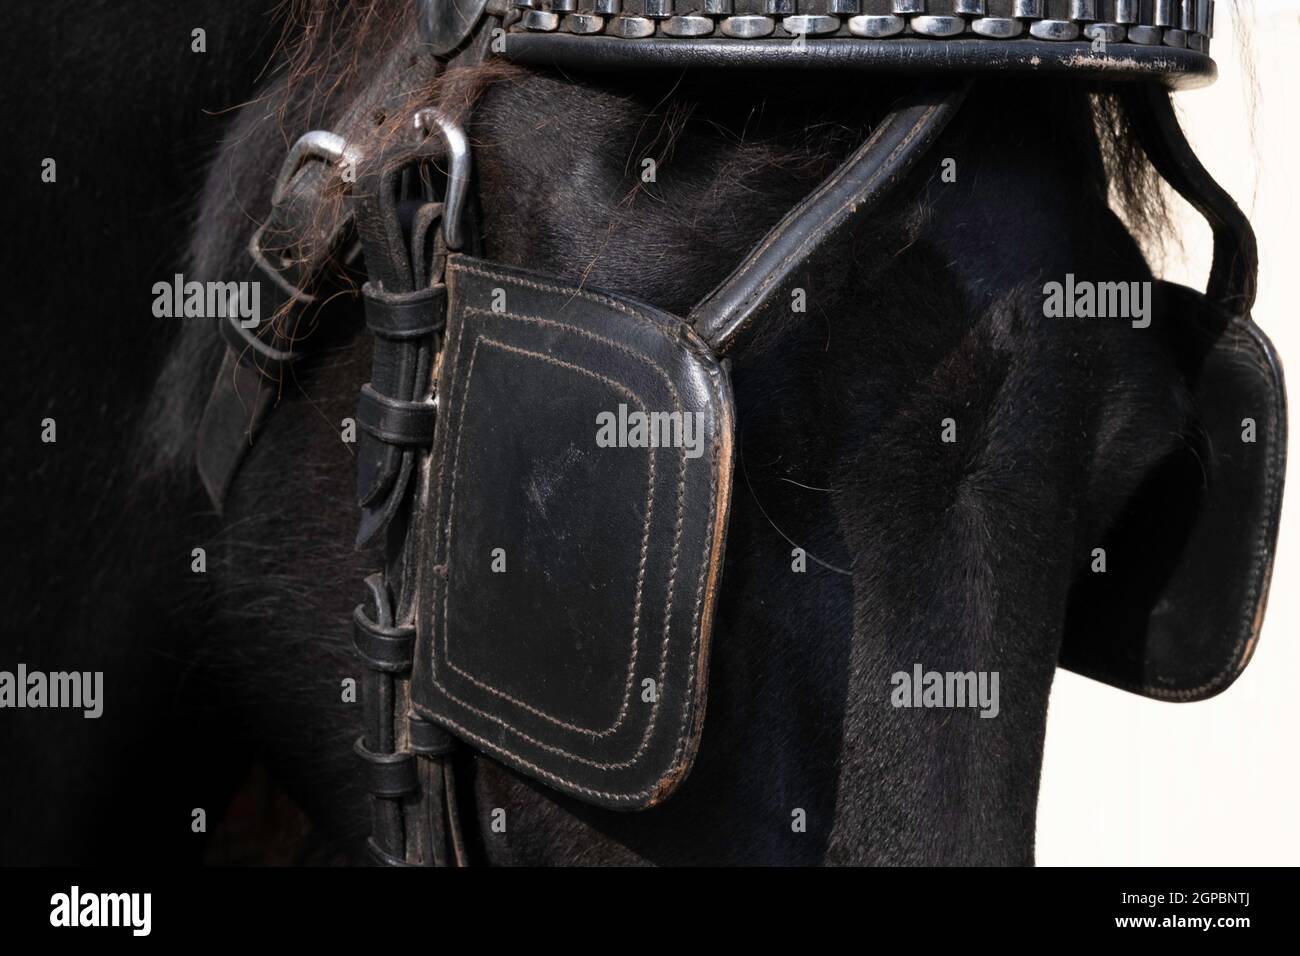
(1178, 612)
(1180, 620)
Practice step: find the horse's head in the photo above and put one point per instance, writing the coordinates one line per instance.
(945, 469)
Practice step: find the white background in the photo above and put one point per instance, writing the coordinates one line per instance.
(1138, 782)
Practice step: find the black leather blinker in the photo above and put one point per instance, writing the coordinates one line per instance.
(570, 540)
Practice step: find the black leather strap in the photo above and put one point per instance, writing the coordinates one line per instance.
(400, 316)
(1177, 68)
(253, 370)
(394, 420)
(382, 648)
(1232, 281)
(406, 309)
(430, 739)
(382, 857)
(288, 254)
(388, 774)
(390, 412)
(299, 237)
(852, 192)
(238, 404)
(254, 349)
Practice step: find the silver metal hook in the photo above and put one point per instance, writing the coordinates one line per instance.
(427, 121)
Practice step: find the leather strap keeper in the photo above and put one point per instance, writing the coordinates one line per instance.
(387, 775)
(395, 421)
(400, 316)
(385, 649)
(431, 740)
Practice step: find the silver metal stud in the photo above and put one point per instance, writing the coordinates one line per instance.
(1028, 9)
(876, 27)
(1165, 14)
(1106, 32)
(997, 28)
(1145, 35)
(810, 25)
(631, 28)
(1055, 30)
(541, 21)
(1176, 38)
(688, 26)
(583, 24)
(1126, 12)
(909, 6)
(748, 26)
(969, 8)
(938, 26)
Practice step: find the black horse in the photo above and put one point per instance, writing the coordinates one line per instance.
(969, 555)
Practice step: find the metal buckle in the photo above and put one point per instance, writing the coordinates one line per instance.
(458, 171)
(240, 340)
(318, 145)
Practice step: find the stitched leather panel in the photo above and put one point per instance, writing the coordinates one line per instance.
(567, 581)
(1180, 622)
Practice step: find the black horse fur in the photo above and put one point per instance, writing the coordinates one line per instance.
(957, 556)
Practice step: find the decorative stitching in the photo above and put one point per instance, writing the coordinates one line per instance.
(645, 545)
(654, 713)
(566, 291)
(493, 747)
(709, 544)
(696, 634)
